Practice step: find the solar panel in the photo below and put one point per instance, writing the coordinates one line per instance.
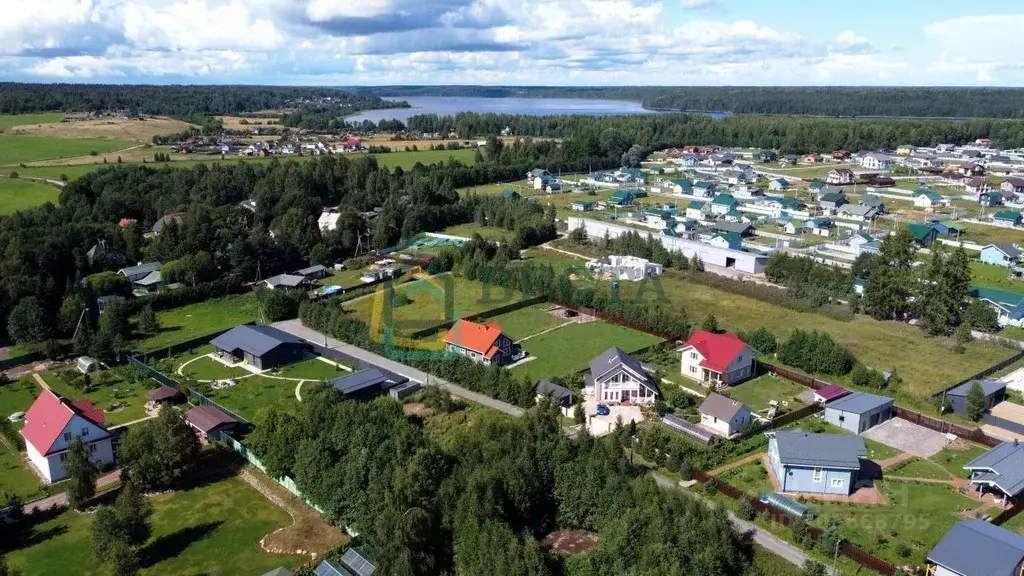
(688, 428)
(357, 563)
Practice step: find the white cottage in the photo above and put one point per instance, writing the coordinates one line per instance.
(53, 422)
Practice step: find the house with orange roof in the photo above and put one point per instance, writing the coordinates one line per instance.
(482, 343)
(716, 360)
(53, 422)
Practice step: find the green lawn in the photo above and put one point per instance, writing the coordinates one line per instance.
(343, 278)
(16, 478)
(213, 529)
(571, 348)
(210, 369)
(117, 391)
(992, 276)
(526, 321)
(914, 520)
(12, 120)
(770, 564)
(312, 369)
(752, 478)
(18, 194)
(17, 395)
(254, 395)
(756, 393)
(188, 322)
(488, 232)
(953, 460)
(427, 299)
(17, 149)
(918, 468)
(982, 234)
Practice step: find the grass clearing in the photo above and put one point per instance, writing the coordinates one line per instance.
(953, 460)
(17, 395)
(19, 194)
(195, 320)
(12, 120)
(254, 395)
(312, 369)
(992, 276)
(15, 476)
(210, 369)
(212, 529)
(121, 398)
(756, 393)
(345, 278)
(526, 321)
(571, 348)
(487, 232)
(984, 234)
(752, 478)
(133, 130)
(17, 149)
(918, 468)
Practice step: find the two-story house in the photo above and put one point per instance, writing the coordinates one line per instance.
(53, 422)
(840, 176)
(481, 343)
(617, 378)
(815, 463)
(716, 360)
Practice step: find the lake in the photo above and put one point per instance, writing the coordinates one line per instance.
(450, 106)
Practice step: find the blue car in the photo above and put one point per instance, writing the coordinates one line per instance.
(603, 410)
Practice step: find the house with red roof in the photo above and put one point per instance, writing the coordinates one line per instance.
(53, 422)
(481, 343)
(717, 360)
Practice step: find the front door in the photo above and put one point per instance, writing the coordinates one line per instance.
(625, 396)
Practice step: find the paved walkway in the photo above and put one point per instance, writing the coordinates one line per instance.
(296, 328)
(789, 552)
(40, 380)
(62, 498)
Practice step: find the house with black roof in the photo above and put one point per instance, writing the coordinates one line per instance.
(994, 392)
(261, 346)
(367, 383)
(558, 394)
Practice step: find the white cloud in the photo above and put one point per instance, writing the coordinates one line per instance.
(199, 25)
(697, 3)
(322, 10)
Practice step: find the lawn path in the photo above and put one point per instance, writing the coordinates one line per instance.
(545, 331)
(298, 390)
(737, 463)
(890, 462)
(40, 380)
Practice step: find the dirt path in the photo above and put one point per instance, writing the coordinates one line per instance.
(890, 462)
(62, 498)
(552, 329)
(922, 480)
(40, 380)
(309, 534)
(737, 463)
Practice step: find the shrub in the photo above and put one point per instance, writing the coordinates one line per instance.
(13, 175)
(745, 510)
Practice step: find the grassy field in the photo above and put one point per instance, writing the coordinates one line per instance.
(343, 278)
(526, 321)
(188, 322)
(488, 232)
(254, 395)
(953, 460)
(572, 347)
(312, 369)
(752, 478)
(18, 194)
(992, 276)
(139, 131)
(15, 476)
(427, 302)
(210, 369)
(17, 149)
(12, 120)
(919, 360)
(17, 395)
(212, 529)
(770, 564)
(756, 393)
(121, 399)
(982, 234)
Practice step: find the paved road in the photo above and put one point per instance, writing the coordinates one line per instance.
(773, 543)
(62, 498)
(296, 328)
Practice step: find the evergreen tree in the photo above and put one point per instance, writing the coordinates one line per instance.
(975, 401)
(962, 337)
(710, 324)
(887, 295)
(81, 485)
(148, 323)
(934, 302)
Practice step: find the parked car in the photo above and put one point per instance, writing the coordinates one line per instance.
(603, 410)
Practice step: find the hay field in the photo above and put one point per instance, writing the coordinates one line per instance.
(141, 131)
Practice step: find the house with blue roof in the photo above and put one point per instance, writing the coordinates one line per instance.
(1000, 255)
(1009, 306)
(816, 463)
(260, 346)
(1000, 471)
(859, 411)
(778, 185)
(977, 548)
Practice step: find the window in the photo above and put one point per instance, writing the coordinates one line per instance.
(85, 431)
(92, 448)
(63, 456)
(693, 355)
(842, 418)
(837, 482)
(693, 369)
(818, 474)
(67, 436)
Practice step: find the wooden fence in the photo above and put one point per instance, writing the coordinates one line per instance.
(972, 434)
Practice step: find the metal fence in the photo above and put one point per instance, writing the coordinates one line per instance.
(201, 400)
(153, 372)
(972, 434)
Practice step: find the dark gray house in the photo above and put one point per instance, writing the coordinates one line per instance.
(859, 411)
(995, 392)
(284, 282)
(367, 383)
(140, 271)
(313, 272)
(999, 471)
(558, 394)
(977, 548)
(260, 346)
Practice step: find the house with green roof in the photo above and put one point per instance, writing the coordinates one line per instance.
(1009, 306)
(925, 198)
(794, 227)
(816, 186)
(622, 198)
(820, 226)
(681, 186)
(723, 203)
(924, 234)
(704, 188)
(733, 216)
(727, 240)
(697, 209)
(1007, 218)
(582, 205)
(638, 192)
(510, 194)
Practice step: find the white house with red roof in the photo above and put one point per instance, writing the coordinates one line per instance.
(482, 343)
(53, 422)
(717, 360)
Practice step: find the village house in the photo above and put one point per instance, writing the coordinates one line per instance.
(260, 347)
(1013, 185)
(976, 547)
(704, 189)
(876, 161)
(999, 471)
(831, 201)
(859, 411)
(924, 234)
(857, 212)
(729, 240)
(765, 156)
(905, 150)
(925, 198)
(630, 268)
(977, 186)
(697, 209)
(328, 220)
(481, 343)
(716, 360)
(681, 186)
(724, 415)
(840, 176)
(820, 226)
(582, 205)
(207, 422)
(617, 378)
(1007, 218)
(52, 423)
(969, 169)
(723, 203)
(815, 463)
(1008, 306)
(778, 185)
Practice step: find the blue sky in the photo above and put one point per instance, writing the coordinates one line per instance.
(526, 42)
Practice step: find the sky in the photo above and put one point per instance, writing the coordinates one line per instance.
(514, 42)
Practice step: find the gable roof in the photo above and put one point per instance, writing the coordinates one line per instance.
(560, 394)
(837, 451)
(724, 200)
(150, 279)
(255, 339)
(613, 358)
(732, 227)
(832, 197)
(1000, 297)
(831, 392)
(920, 231)
(1009, 250)
(287, 280)
(311, 270)
(480, 338)
(718, 350)
(860, 403)
(141, 270)
(695, 205)
(356, 381)
(856, 209)
(977, 548)
(50, 414)
(870, 200)
(730, 237)
(1002, 466)
(1006, 215)
(989, 387)
(721, 407)
(206, 417)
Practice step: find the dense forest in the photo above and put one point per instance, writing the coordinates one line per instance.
(813, 100)
(178, 101)
(788, 134)
(45, 250)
